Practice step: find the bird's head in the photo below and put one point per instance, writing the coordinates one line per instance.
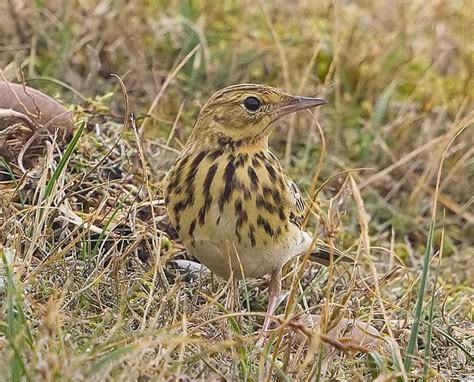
(242, 114)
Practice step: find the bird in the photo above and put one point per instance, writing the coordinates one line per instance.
(230, 200)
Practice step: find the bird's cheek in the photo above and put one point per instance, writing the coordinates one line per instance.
(266, 125)
(253, 130)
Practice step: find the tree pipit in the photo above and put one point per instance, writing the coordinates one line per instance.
(230, 200)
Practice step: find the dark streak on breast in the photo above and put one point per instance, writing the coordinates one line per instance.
(261, 221)
(256, 162)
(175, 174)
(253, 178)
(282, 215)
(271, 172)
(213, 155)
(209, 178)
(189, 180)
(178, 207)
(207, 193)
(192, 227)
(194, 166)
(241, 214)
(241, 159)
(262, 203)
(273, 193)
(251, 235)
(229, 176)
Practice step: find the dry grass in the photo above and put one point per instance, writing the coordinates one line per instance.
(88, 289)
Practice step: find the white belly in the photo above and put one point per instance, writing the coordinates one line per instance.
(218, 250)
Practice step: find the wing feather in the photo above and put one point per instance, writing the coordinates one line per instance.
(297, 206)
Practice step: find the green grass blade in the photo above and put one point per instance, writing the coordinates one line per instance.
(419, 301)
(242, 350)
(376, 364)
(381, 105)
(111, 357)
(17, 329)
(429, 329)
(64, 160)
(454, 341)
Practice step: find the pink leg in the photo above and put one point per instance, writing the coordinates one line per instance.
(274, 290)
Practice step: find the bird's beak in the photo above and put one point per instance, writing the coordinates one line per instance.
(296, 103)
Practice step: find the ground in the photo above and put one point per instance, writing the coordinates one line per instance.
(89, 284)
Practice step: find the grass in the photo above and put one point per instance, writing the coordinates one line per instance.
(89, 288)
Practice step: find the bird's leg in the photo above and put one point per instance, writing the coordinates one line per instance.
(274, 290)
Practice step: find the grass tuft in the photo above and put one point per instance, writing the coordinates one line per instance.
(94, 283)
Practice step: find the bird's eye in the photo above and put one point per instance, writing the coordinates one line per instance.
(252, 103)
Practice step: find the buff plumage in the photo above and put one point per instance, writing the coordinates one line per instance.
(230, 200)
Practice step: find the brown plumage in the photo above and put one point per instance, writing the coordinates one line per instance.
(230, 200)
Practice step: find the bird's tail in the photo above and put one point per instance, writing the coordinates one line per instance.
(322, 254)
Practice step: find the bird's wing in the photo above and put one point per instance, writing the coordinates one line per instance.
(321, 252)
(297, 205)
